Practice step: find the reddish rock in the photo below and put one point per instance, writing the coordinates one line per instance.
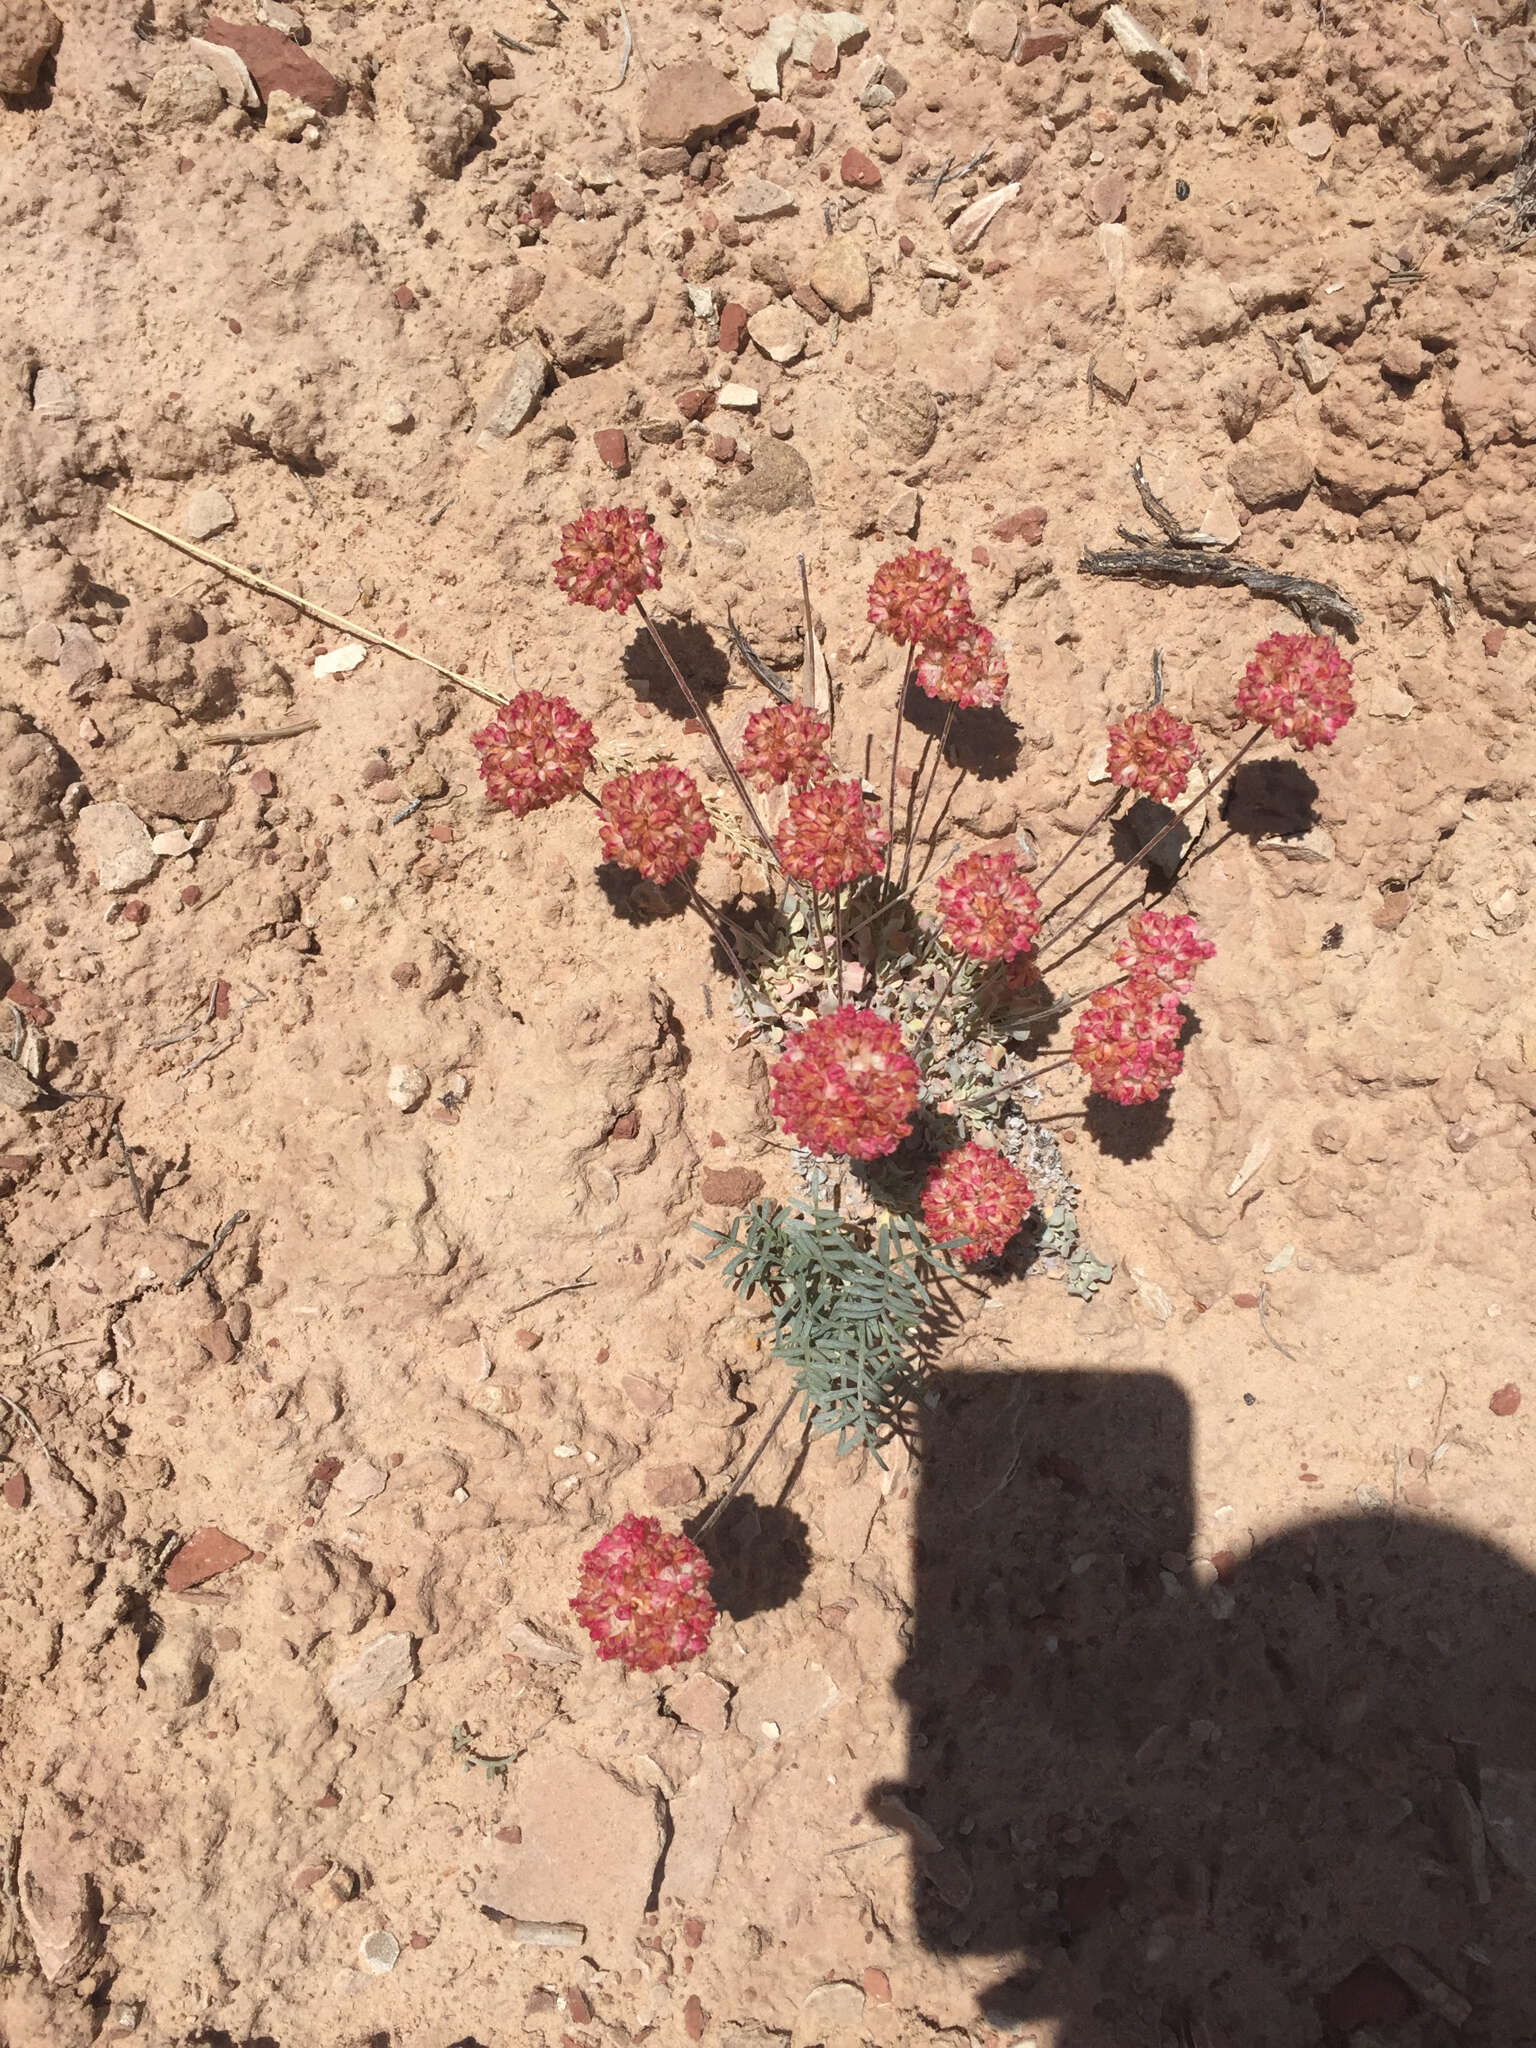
(1225, 1563)
(645, 1397)
(205, 1555)
(1055, 44)
(264, 782)
(733, 327)
(577, 2006)
(1245, 1301)
(1370, 1996)
(981, 558)
(1107, 197)
(307, 1876)
(811, 302)
(626, 1126)
(1027, 526)
(672, 1486)
(1506, 1400)
(906, 245)
(612, 444)
(217, 1341)
(721, 448)
(530, 1340)
(824, 56)
(405, 298)
(14, 1491)
(1493, 639)
(512, 1834)
(877, 1987)
(860, 171)
(191, 895)
(276, 62)
(693, 1931)
(443, 834)
(732, 1186)
(421, 1941)
(693, 2018)
(695, 405)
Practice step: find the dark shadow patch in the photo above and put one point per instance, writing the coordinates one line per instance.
(636, 900)
(1127, 1133)
(705, 663)
(1141, 827)
(1270, 796)
(759, 1554)
(984, 741)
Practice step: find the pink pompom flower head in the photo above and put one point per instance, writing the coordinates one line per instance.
(535, 752)
(1127, 1041)
(921, 600)
(832, 835)
(1152, 752)
(969, 673)
(846, 1084)
(654, 820)
(1298, 684)
(643, 1596)
(974, 1201)
(607, 557)
(785, 743)
(989, 907)
(1166, 946)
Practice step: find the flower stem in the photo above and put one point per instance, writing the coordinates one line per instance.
(697, 708)
(745, 1473)
(1119, 868)
(901, 715)
(1099, 818)
(922, 810)
(718, 933)
(938, 1001)
(992, 1094)
(837, 924)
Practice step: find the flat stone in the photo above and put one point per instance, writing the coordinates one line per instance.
(701, 1703)
(387, 1665)
(612, 445)
(733, 327)
(187, 794)
(54, 397)
(765, 67)
(516, 397)
(672, 1486)
(784, 1697)
(358, 1481)
(1107, 196)
(860, 171)
(778, 481)
(181, 95)
(1312, 847)
(777, 117)
(904, 414)
(582, 329)
(588, 1854)
(205, 1555)
(1030, 49)
(993, 29)
(1313, 138)
(842, 30)
(826, 2008)
(738, 397)
(1114, 373)
(229, 68)
(758, 199)
(55, 1895)
(779, 332)
(841, 276)
(732, 1186)
(207, 513)
(901, 514)
(277, 63)
(111, 839)
(1272, 467)
(686, 104)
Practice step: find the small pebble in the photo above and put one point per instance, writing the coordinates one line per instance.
(1506, 1400)
(378, 1953)
(397, 416)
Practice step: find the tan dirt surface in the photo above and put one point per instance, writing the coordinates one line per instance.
(1187, 1680)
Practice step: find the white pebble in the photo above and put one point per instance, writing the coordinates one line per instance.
(408, 1088)
(379, 1953)
(108, 1382)
(340, 661)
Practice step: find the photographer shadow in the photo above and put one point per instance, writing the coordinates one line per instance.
(1228, 1807)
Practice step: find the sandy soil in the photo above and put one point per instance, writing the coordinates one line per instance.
(1155, 1702)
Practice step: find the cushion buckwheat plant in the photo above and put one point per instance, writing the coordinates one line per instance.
(910, 1016)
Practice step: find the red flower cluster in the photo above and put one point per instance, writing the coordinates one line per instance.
(1298, 684)
(1127, 1040)
(970, 672)
(608, 557)
(832, 835)
(974, 1200)
(846, 1083)
(921, 600)
(1152, 752)
(535, 751)
(654, 820)
(1166, 947)
(643, 1596)
(785, 743)
(989, 907)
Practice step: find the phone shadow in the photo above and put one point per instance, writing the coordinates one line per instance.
(1229, 1807)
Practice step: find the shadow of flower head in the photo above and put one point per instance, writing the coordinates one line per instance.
(706, 665)
(759, 1554)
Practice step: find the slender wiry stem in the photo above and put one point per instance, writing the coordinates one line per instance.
(717, 932)
(1099, 818)
(938, 1001)
(837, 937)
(745, 1473)
(922, 809)
(696, 706)
(1064, 1006)
(901, 715)
(1034, 1074)
(1121, 867)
